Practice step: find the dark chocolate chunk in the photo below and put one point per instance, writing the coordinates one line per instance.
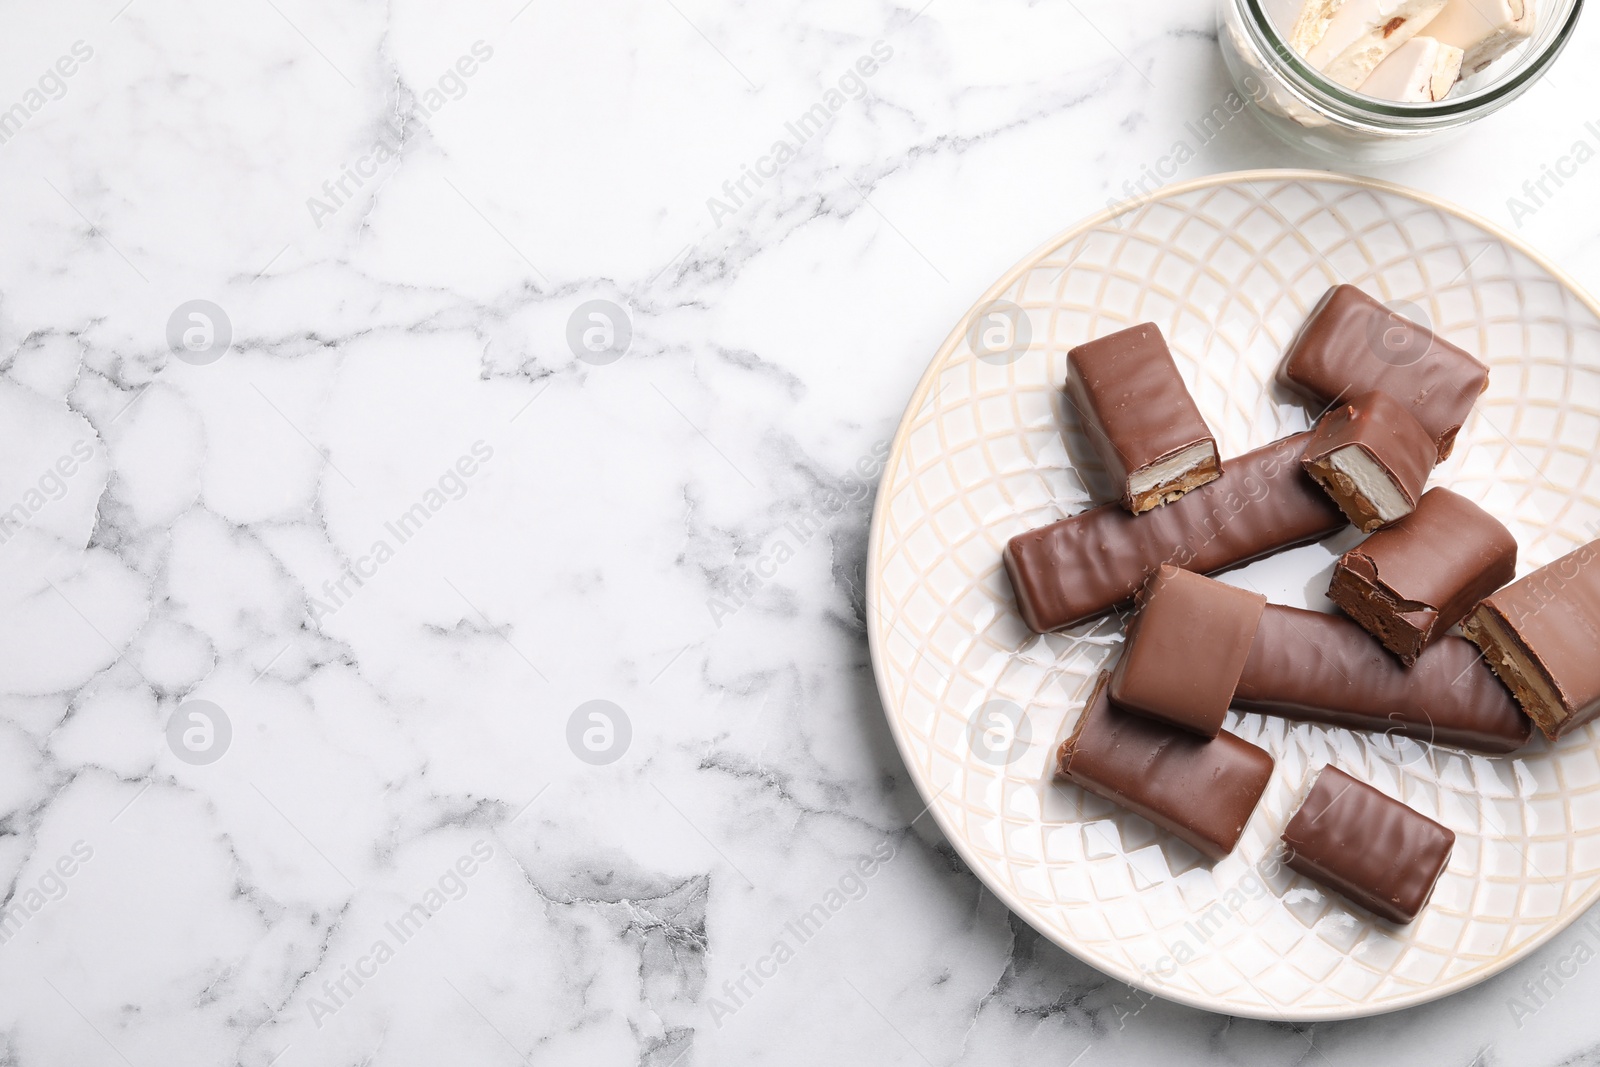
(1409, 583)
(1082, 566)
(1186, 649)
(1366, 846)
(1352, 344)
(1202, 791)
(1324, 668)
(1139, 416)
(1372, 457)
(1541, 635)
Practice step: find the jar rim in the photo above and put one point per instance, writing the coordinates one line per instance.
(1324, 94)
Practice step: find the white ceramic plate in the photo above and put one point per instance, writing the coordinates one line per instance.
(1228, 267)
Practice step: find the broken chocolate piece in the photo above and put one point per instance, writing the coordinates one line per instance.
(1541, 635)
(1366, 846)
(1201, 791)
(1139, 416)
(1352, 344)
(1186, 649)
(1409, 583)
(1077, 568)
(1324, 668)
(1373, 457)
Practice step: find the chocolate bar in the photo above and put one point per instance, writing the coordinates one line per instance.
(1139, 416)
(1542, 637)
(1198, 790)
(1409, 583)
(1160, 673)
(1324, 668)
(1352, 344)
(1366, 846)
(1082, 566)
(1372, 457)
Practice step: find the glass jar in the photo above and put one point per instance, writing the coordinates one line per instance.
(1317, 115)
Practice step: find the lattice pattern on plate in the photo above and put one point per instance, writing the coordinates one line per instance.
(1228, 268)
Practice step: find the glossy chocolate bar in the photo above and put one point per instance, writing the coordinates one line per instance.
(1186, 649)
(1366, 846)
(1409, 583)
(1352, 344)
(1324, 668)
(1138, 414)
(1542, 637)
(1082, 566)
(1372, 457)
(1201, 791)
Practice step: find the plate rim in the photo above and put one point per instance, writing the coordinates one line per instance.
(875, 582)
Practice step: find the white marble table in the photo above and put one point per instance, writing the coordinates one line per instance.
(396, 536)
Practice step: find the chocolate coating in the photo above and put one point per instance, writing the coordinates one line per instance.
(1368, 847)
(1542, 636)
(1082, 566)
(1383, 428)
(1409, 583)
(1352, 344)
(1186, 649)
(1324, 668)
(1198, 790)
(1136, 411)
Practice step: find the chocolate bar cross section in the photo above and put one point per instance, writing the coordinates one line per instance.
(1366, 846)
(1082, 566)
(1139, 416)
(1352, 344)
(1372, 457)
(1198, 790)
(1409, 583)
(1541, 635)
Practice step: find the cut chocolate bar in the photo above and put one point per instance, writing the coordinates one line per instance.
(1352, 344)
(1139, 416)
(1409, 583)
(1082, 566)
(1324, 668)
(1198, 790)
(1186, 649)
(1367, 847)
(1541, 635)
(1372, 457)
